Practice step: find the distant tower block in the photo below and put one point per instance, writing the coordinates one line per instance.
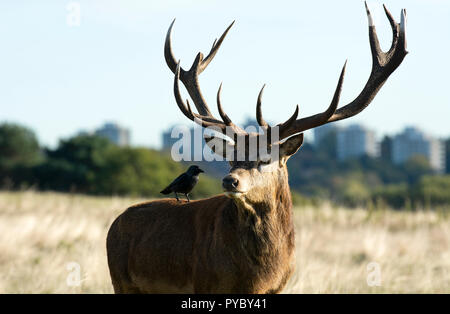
(115, 133)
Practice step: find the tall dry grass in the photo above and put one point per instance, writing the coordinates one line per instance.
(43, 234)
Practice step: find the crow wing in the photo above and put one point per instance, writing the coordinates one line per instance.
(172, 187)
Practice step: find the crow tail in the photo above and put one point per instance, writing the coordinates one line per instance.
(166, 191)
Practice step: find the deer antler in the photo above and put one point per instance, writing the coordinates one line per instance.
(190, 81)
(383, 64)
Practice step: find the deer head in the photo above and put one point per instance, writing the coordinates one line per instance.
(255, 176)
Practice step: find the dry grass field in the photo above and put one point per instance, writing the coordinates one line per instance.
(48, 241)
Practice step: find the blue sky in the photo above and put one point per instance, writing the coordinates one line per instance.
(58, 79)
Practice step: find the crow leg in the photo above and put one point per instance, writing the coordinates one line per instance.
(176, 195)
(187, 196)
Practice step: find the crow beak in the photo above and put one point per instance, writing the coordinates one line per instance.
(200, 170)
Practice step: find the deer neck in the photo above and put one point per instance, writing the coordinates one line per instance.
(261, 233)
(270, 215)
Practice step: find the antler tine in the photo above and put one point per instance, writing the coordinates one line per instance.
(373, 38)
(337, 94)
(185, 109)
(214, 49)
(391, 21)
(304, 124)
(236, 129)
(267, 128)
(288, 123)
(168, 53)
(369, 16)
(402, 25)
(259, 116)
(223, 115)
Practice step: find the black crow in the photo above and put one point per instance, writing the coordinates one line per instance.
(184, 183)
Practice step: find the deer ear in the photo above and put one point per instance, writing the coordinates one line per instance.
(291, 145)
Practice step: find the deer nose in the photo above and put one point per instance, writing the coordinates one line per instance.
(230, 183)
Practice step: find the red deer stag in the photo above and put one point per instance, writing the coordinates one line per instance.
(241, 241)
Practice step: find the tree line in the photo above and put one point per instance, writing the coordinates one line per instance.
(316, 172)
(87, 164)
